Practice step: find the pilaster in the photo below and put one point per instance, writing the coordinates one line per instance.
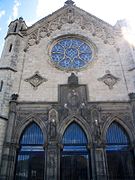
(101, 173)
(9, 148)
(52, 159)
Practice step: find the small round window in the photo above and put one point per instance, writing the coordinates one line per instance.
(71, 53)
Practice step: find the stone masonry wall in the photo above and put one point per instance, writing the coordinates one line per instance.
(107, 58)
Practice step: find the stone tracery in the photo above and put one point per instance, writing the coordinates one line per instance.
(70, 16)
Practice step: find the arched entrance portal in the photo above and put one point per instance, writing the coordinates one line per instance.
(120, 157)
(75, 158)
(30, 159)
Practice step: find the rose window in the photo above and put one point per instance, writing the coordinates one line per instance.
(71, 53)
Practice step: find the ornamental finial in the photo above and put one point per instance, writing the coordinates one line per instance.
(69, 2)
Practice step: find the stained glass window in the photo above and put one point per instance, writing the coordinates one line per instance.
(31, 157)
(75, 157)
(71, 53)
(74, 135)
(120, 157)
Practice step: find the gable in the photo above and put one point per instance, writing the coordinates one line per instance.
(71, 15)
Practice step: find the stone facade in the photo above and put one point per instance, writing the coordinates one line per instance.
(33, 90)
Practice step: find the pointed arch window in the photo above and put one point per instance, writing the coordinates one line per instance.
(120, 157)
(75, 158)
(30, 160)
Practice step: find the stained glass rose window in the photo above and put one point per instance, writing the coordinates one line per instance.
(71, 53)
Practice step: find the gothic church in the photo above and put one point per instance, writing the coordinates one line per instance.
(67, 99)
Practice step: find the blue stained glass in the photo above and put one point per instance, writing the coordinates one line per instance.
(32, 135)
(116, 135)
(74, 156)
(76, 43)
(85, 57)
(30, 154)
(71, 54)
(74, 135)
(75, 148)
(78, 63)
(116, 147)
(58, 49)
(27, 148)
(85, 49)
(23, 157)
(57, 57)
(65, 43)
(65, 63)
(120, 158)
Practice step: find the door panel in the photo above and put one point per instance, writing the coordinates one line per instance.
(30, 166)
(74, 167)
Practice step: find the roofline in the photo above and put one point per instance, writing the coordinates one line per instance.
(66, 7)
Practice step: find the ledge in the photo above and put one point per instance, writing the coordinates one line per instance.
(4, 118)
(13, 33)
(8, 68)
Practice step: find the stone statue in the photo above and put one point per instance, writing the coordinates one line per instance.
(72, 79)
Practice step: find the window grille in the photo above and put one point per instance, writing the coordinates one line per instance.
(120, 158)
(30, 159)
(75, 159)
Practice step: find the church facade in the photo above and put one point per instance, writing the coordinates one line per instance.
(67, 99)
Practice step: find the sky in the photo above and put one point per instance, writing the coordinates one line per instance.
(34, 10)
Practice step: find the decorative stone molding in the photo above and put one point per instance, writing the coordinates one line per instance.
(27, 115)
(72, 15)
(105, 116)
(36, 80)
(53, 114)
(109, 79)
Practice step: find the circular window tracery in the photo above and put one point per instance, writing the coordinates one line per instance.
(71, 53)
